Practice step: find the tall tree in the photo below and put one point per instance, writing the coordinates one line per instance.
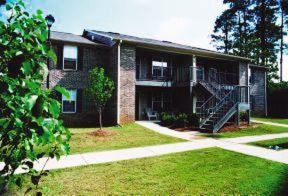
(221, 36)
(241, 29)
(283, 12)
(253, 31)
(268, 32)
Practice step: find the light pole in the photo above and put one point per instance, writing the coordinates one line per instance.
(50, 20)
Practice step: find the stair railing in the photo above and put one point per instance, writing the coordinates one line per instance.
(213, 105)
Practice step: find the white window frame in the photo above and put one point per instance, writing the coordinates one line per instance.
(162, 67)
(64, 58)
(75, 107)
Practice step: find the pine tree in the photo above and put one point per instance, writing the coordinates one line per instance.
(241, 29)
(250, 30)
(222, 35)
(283, 12)
(268, 31)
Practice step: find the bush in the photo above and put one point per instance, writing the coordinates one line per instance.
(182, 119)
(193, 120)
(167, 118)
(244, 116)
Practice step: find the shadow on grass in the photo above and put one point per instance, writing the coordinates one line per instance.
(284, 186)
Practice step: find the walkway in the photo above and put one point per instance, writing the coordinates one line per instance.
(119, 155)
(169, 132)
(232, 144)
(269, 123)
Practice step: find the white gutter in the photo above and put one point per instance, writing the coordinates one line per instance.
(118, 80)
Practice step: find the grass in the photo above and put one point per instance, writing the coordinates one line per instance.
(203, 172)
(130, 135)
(260, 129)
(273, 120)
(282, 142)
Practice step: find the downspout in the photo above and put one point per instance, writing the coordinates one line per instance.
(265, 91)
(118, 81)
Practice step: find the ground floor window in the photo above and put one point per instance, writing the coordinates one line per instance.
(161, 101)
(69, 103)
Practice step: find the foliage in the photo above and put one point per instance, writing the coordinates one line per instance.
(181, 119)
(252, 29)
(193, 120)
(273, 86)
(28, 114)
(244, 116)
(99, 89)
(167, 118)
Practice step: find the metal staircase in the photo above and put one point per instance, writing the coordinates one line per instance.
(214, 113)
(221, 106)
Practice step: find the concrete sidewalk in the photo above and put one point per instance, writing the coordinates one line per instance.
(169, 132)
(232, 144)
(248, 139)
(269, 123)
(273, 155)
(119, 155)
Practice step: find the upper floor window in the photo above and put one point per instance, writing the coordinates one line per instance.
(69, 104)
(159, 68)
(70, 55)
(251, 76)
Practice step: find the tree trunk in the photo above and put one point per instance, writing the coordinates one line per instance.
(100, 118)
(282, 43)
(262, 33)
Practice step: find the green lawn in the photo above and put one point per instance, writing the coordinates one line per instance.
(130, 135)
(282, 142)
(203, 172)
(260, 129)
(273, 120)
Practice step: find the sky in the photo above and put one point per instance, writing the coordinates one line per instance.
(183, 21)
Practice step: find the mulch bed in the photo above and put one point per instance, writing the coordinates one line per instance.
(231, 127)
(102, 133)
(228, 127)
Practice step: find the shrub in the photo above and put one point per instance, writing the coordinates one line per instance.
(193, 120)
(182, 119)
(29, 123)
(244, 116)
(167, 118)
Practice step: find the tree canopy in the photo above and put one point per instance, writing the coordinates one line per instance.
(99, 89)
(252, 29)
(29, 114)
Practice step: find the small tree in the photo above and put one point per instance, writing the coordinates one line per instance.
(99, 90)
(29, 125)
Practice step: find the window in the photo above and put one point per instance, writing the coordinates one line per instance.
(251, 75)
(70, 54)
(161, 101)
(69, 105)
(159, 68)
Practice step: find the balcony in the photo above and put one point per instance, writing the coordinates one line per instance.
(156, 76)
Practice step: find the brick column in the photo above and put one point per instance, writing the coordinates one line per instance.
(127, 84)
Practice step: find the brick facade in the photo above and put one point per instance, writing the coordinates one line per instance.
(127, 83)
(121, 108)
(87, 115)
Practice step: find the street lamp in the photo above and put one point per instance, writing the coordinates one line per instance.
(50, 20)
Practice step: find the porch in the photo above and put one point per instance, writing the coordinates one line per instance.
(161, 99)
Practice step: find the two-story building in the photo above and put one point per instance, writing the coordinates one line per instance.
(155, 75)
